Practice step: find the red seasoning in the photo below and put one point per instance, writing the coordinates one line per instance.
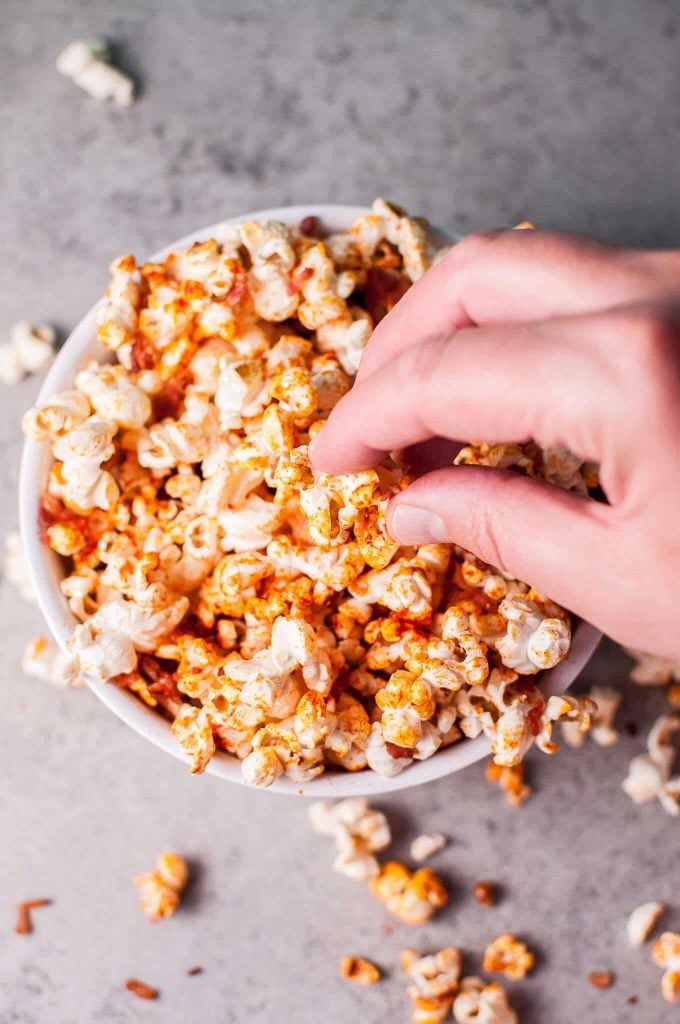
(140, 989)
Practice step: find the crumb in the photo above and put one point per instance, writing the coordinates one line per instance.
(359, 970)
(140, 989)
(601, 979)
(194, 970)
(631, 728)
(24, 924)
(632, 1000)
(484, 893)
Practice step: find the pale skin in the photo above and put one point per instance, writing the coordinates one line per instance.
(520, 335)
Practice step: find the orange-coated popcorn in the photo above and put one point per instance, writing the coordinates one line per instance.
(219, 578)
(412, 897)
(507, 955)
(159, 890)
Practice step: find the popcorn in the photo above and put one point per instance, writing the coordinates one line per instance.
(641, 922)
(159, 890)
(425, 846)
(44, 660)
(217, 577)
(358, 831)
(602, 732)
(412, 897)
(88, 65)
(359, 970)
(666, 953)
(434, 983)
(16, 567)
(507, 955)
(511, 781)
(30, 349)
(479, 1002)
(651, 670)
(649, 775)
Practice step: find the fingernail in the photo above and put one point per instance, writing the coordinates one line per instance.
(412, 525)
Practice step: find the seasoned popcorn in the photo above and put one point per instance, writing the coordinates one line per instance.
(434, 981)
(479, 1002)
(602, 731)
(412, 897)
(262, 607)
(359, 970)
(507, 955)
(652, 670)
(641, 922)
(427, 845)
(30, 349)
(43, 659)
(159, 890)
(87, 63)
(359, 832)
(649, 775)
(511, 781)
(666, 953)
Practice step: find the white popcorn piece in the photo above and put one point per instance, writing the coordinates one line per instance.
(87, 64)
(602, 729)
(113, 396)
(426, 845)
(649, 775)
(533, 642)
(16, 567)
(479, 1002)
(30, 349)
(99, 655)
(82, 452)
(642, 921)
(61, 414)
(358, 830)
(44, 660)
(379, 757)
(652, 670)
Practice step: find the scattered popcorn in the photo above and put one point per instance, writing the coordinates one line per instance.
(87, 64)
(641, 922)
(427, 845)
(159, 890)
(16, 569)
(651, 670)
(601, 979)
(666, 953)
(649, 775)
(412, 897)
(43, 659)
(507, 955)
(484, 893)
(24, 923)
(479, 1002)
(359, 970)
(358, 831)
(30, 349)
(511, 781)
(602, 729)
(434, 981)
(263, 607)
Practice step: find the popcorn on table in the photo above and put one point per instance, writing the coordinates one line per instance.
(359, 970)
(30, 349)
(642, 920)
(649, 775)
(481, 1002)
(509, 956)
(87, 64)
(413, 897)
(43, 659)
(666, 953)
(434, 982)
(426, 845)
(262, 608)
(359, 832)
(159, 890)
(607, 702)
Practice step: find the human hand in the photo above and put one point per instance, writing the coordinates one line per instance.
(520, 335)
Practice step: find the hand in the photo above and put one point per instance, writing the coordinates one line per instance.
(520, 335)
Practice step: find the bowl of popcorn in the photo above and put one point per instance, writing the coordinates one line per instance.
(235, 608)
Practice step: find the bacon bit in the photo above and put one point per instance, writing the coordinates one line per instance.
(396, 751)
(631, 728)
(239, 288)
(24, 924)
(632, 1000)
(601, 979)
(534, 718)
(340, 684)
(484, 893)
(140, 989)
(51, 512)
(194, 970)
(383, 290)
(297, 281)
(141, 355)
(162, 681)
(387, 930)
(167, 402)
(311, 226)
(387, 256)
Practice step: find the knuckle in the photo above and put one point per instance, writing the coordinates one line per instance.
(651, 332)
(476, 247)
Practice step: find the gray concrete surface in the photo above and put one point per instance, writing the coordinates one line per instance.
(473, 113)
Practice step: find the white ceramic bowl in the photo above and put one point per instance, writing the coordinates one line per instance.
(47, 569)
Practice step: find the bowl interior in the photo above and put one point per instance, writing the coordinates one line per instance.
(46, 568)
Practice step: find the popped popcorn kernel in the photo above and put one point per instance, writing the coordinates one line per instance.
(359, 970)
(159, 890)
(511, 781)
(412, 897)
(641, 922)
(480, 1002)
(434, 981)
(509, 956)
(666, 953)
(426, 845)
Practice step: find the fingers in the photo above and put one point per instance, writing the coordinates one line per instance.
(491, 384)
(512, 277)
(530, 529)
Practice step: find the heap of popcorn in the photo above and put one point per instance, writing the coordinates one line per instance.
(262, 607)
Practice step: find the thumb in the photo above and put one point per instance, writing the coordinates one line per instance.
(555, 540)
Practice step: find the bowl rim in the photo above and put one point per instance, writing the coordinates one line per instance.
(46, 570)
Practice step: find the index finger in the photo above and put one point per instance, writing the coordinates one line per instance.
(514, 277)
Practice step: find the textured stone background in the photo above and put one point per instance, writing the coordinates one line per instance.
(473, 113)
